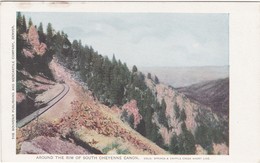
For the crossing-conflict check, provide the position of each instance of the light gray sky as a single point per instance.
(148, 39)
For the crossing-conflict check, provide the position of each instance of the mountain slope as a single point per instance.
(214, 94)
(80, 120)
(181, 111)
(109, 109)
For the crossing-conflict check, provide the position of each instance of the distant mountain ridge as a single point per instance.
(214, 94)
(109, 108)
(186, 76)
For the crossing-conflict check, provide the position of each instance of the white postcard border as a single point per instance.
(244, 72)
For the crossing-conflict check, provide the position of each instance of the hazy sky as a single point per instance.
(148, 39)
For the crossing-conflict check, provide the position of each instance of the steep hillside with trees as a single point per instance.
(33, 73)
(154, 110)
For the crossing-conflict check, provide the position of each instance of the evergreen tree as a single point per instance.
(137, 79)
(107, 67)
(161, 115)
(156, 136)
(183, 143)
(176, 110)
(149, 124)
(40, 28)
(19, 19)
(156, 80)
(183, 116)
(41, 33)
(183, 127)
(203, 136)
(149, 76)
(141, 128)
(117, 88)
(49, 30)
(19, 22)
(174, 144)
(49, 35)
(134, 69)
(114, 62)
(163, 105)
(187, 143)
(24, 27)
(75, 45)
(30, 23)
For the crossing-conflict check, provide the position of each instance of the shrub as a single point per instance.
(116, 146)
(122, 151)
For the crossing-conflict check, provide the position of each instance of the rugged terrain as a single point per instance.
(109, 109)
(195, 116)
(79, 119)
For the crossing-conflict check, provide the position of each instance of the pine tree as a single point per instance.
(24, 27)
(174, 144)
(156, 80)
(30, 23)
(203, 136)
(114, 62)
(183, 116)
(18, 18)
(162, 117)
(49, 30)
(49, 35)
(149, 124)
(176, 110)
(40, 28)
(187, 143)
(163, 105)
(134, 69)
(183, 127)
(149, 76)
(41, 33)
(19, 22)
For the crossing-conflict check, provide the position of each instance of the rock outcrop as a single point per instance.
(50, 145)
(132, 109)
(196, 114)
(33, 37)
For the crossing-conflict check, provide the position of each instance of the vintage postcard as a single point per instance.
(129, 81)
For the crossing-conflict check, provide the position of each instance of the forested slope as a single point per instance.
(156, 111)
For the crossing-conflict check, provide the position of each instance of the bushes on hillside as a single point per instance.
(183, 143)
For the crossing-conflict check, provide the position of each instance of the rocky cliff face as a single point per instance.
(33, 38)
(196, 115)
(33, 74)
